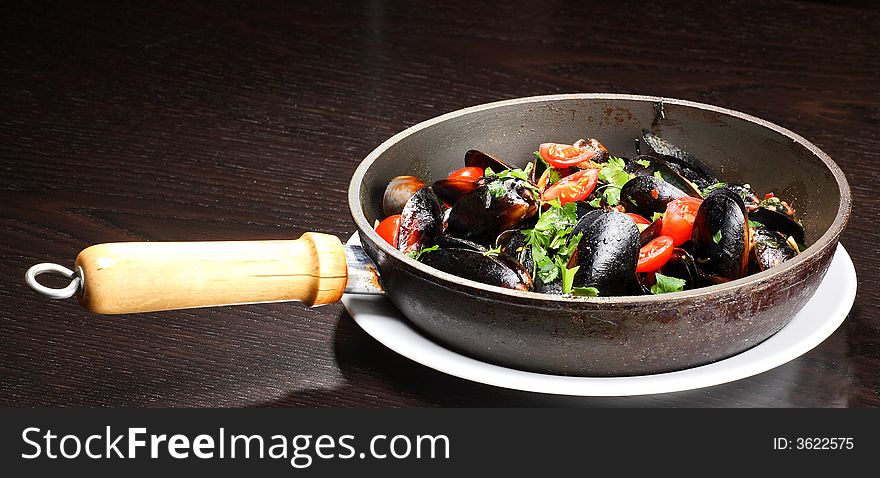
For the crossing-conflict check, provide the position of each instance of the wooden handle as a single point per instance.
(128, 277)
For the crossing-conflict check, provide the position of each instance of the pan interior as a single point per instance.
(737, 149)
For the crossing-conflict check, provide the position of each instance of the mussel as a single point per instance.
(607, 254)
(681, 265)
(451, 190)
(771, 248)
(513, 243)
(778, 221)
(398, 192)
(490, 209)
(420, 221)
(679, 160)
(479, 267)
(645, 195)
(479, 159)
(721, 236)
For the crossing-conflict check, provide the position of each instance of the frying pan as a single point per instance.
(593, 336)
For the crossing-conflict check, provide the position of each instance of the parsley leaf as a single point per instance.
(713, 187)
(549, 240)
(493, 251)
(666, 284)
(643, 162)
(717, 237)
(657, 215)
(418, 254)
(614, 175)
(658, 175)
(496, 188)
(585, 291)
(755, 224)
(567, 274)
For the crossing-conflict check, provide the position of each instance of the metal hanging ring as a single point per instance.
(30, 277)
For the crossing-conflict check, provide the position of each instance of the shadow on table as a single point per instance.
(376, 376)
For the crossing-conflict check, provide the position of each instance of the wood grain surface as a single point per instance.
(198, 120)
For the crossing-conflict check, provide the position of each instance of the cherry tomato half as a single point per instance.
(655, 254)
(678, 221)
(470, 173)
(564, 155)
(575, 187)
(638, 219)
(389, 229)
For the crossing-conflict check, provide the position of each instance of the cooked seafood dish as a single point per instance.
(578, 220)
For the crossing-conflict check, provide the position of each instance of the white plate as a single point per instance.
(819, 318)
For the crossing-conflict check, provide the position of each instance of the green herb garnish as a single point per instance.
(567, 274)
(643, 162)
(717, 237)
(493, 251)
(713, 187)
(585, 291)
(657, 215)
(549, 240)
(418, 254)
(614, 175)
(665, 284)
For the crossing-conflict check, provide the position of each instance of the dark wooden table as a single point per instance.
(194, 120)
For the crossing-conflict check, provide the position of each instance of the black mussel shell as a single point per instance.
(451, 190)
(513, 243)
(398, 192)
(449, 242)
(778, 221)
(476, 266)
(721, 236)
(681, 265)
(420, 221)
(607, 255)
(479, 159)
(771, 248)
(679, 160)
(554, 287)
(645, 195)
(480, 216)
(750, 199)
(650, 233)
(585, 221)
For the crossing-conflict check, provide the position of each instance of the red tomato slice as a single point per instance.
(389, 229)
(470, 173)
(678, 221)
(638, 219)
(565, 155)
(575, 187)
(655, 254)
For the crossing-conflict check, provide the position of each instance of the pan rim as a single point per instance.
(828, 239)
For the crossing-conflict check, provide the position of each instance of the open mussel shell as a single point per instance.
(478, 267)
(683, 163)
(721, 236)
(479, 159)
(778, 221)
(771, 248)
(645, 195)
(480, 216)
(513, 243)
(398, 192)
(607, 254)
(650, 233)
(451, 190)
(420, 221)
(682, 265)
(750, 199)
(657, 166)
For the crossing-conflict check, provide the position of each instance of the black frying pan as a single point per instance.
(601, 336)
